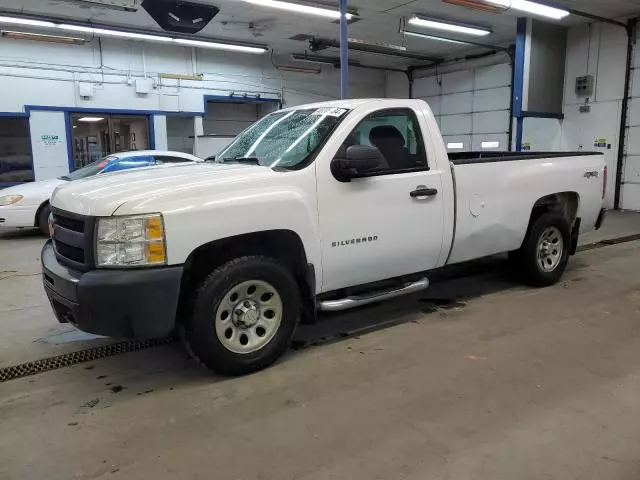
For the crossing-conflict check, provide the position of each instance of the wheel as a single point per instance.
(43, 219)
(544, 255)
(243, 316)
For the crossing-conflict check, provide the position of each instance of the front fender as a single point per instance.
(220, 216)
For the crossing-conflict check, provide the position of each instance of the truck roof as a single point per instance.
(351, 104)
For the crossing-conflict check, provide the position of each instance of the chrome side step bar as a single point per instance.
(360, 300)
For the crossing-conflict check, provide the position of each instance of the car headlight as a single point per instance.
(131, 241)
(10, 200)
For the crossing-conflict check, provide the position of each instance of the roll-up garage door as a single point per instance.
(471, 106)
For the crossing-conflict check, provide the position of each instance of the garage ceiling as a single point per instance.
(379, 22)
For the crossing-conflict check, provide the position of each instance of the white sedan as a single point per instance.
(27, 205)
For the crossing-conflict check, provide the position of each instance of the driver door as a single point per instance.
(372, 228)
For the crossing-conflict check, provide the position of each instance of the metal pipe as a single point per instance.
(344, 51)
(631, 33)
(597, 18)
(512, 62)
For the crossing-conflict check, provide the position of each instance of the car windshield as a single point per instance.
(285, 139)
(89, 170)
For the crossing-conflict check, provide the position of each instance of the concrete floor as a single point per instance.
(481, 378)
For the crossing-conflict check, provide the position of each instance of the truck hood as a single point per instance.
(34, 193)
(104, 194)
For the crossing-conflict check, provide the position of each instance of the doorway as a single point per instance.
(98, 135)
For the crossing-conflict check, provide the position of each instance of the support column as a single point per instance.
(344, 51)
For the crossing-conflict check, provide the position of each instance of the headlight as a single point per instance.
(135, 241)
(10, 200)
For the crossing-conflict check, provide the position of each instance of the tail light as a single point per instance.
(605, 177)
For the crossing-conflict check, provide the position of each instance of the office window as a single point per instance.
(97, 135)
(16, 160)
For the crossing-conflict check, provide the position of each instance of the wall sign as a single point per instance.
(600, 143)
(50, 140)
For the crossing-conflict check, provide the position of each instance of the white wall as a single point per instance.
(46, 74)
(396, 85)
(598, 50)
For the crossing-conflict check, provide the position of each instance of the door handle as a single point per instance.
(424, 192)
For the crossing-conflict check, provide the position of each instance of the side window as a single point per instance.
(162, 159)
(125, 163)
(396, 133)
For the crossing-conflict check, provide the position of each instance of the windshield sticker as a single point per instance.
(330, 112)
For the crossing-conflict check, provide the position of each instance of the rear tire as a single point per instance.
(43, 219)
(544, 255)
(243, 316)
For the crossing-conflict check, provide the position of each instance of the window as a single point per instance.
(285, 139)
(16, 161)
(396, 133)
(98, 135)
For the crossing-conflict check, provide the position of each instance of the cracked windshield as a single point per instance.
(284, 139)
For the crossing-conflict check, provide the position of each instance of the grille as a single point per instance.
(72, 239)
(74, 253)
(72, 224)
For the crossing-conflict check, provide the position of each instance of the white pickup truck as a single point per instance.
(320, 207)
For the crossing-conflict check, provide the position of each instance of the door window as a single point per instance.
(396, 133)
(98, 135)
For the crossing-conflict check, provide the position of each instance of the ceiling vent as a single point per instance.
(180, 16)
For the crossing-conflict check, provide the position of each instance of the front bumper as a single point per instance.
(17, 216)
(130, 303)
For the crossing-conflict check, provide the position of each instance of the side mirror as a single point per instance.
(357, 160)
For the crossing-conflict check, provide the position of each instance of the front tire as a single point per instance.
(544, 255)
(243, 316)
(43, 219)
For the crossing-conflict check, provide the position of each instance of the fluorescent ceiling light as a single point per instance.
(455, 145)
(532, 7)
(130, 35)
(220, 46)
(299, 8)
(26, 21)
(490, 145)
(91, 119)
(42, 37)
(113, 33)
(433, 37)
(449, 27)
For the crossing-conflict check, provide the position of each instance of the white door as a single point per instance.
(390, 222)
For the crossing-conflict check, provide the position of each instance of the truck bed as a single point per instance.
(494, 201)
(462, 158)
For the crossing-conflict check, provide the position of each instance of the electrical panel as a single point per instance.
(85, 90)
(144, 86)
(584, 86)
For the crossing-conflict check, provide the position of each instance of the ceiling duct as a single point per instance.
(122, 5)
(318, 44)
(180, 16)
(476, 5)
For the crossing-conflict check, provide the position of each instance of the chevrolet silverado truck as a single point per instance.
(321, 207)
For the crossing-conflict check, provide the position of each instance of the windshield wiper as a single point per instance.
(64, 177)
(249, 160)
